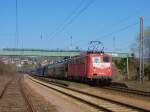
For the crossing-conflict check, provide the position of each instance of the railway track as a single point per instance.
(116, 87)
(5, 88)
(13, 97)
(26, 97)
(129, 90)
(100, 103)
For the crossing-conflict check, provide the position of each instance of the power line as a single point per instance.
(120, 30)
(129, 17)
(124, 28)
(109, 34)
(147, 19)
(17, 32)
(68, 17)
(117, 31)
(80, 12)
(123, 20)
(74, 17)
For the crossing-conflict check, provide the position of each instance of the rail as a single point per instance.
(5, 88)
(96, 101)
(26, 97)
(129, 90)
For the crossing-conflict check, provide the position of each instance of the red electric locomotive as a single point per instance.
(89, 66)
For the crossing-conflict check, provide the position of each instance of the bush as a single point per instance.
(121, 63)
(7, 69)
(147, 71)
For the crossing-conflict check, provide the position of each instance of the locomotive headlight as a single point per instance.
(109, 69)
(94, 69)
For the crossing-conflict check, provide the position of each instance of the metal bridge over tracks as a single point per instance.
(50, 53)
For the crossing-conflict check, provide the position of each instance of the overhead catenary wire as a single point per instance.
(68, 17)
(122, 29)
(17, 32)
(118, 30)
(72, 18)
(125, 19)
(80, 12)
(130, 16)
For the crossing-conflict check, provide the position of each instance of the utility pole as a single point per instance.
(17, 35)
(142, 35)
(114, 44)
(71, 43)
(127, 66)
(141, 49)
(17, 32)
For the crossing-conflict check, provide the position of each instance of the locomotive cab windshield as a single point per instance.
(106, 59)
(96, 60)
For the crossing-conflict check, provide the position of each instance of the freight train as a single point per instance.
(87, 67)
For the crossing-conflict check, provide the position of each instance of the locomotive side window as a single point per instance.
(105, 59)
(83, 60)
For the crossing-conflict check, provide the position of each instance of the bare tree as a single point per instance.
(147, 42)
(134, 48)
(147, 51)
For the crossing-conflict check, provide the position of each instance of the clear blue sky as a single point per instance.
(98, 19)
